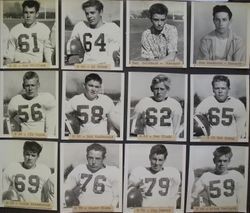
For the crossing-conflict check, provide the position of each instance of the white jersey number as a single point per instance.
(99, 42)
(152, 119)
(163, 183)
(215, 190)
(36, 114)
(96, 113)
(33, 180)
(98, 186)
(24, 45)
(226, 116)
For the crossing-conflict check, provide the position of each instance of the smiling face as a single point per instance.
(95, 160)
(30, 15)
(93, 16)
(159, 91)
(92, 89)
(31, 87)
(222, 22)
(158, 21)
(156, 162)
(220, 90)
(221, 164)
(30, 159)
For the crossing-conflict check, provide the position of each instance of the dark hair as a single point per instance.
(158, 8)
(97, 147)
(222, 8)
(32, 146)
(223, 150)
(93, 3)
(218, 78)
(30, 4)
(161, 78)
(93, 76)
(158, 149)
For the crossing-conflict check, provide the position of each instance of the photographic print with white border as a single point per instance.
(36, 35)
(217, 179)
(92, 110)
(152, 50)
(231, 35)
(96, 181)
(34, 175)
(30, 107)
(92, 42)
(158, 114)
(152, 182)
(222, 113)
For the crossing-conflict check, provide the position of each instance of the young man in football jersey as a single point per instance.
(100, 40)
(29, 41)
(222, 43)
(221, 187)
(94, 183)
(33, 111)
(91, 108)
(226, 114)
(159, 185)
(24, 181)
(159, 42)
(158, 114)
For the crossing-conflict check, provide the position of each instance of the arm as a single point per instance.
(177, 119)
(11, 48)
(15, 121)
(240, 121)
(203, 53)
(47, 48)
(146, 51)
(240, 51)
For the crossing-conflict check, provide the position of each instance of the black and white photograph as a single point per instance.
(217, 179)
(92, 34)
(157, 106)
(156, 34)
(219, 35)
(93, 105)
(30, 104)
(154, 175)
(31, 32)
(91, 177)
(28, 174)
(219, 108)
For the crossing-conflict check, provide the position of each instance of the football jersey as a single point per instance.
(98, 43)
(28, 183)
(4, 38)
(92, 113)
(160, 189)
(159, 115)
(223, 116)
(30, 45)
(32, 113)
(99, 188)
(223, 190)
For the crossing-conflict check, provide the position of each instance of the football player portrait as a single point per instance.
(28, 180)
(88, 109)
(29, 41)
(30, 111)
(93, 182)
(221, 114)
(158, 183)
(94, 40)
(158, 114)
(223, 184)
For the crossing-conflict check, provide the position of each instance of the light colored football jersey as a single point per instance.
(98, 43)
(223, 116)
(98, 188)
(29, 45)
(27, 182)
(160, 189)
(92, 113)
(32, 113)
(159, 115)
(224, 190)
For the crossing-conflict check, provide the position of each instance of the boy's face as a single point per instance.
(221, 22)
(158, 21)
(29, 15)
(93, 16)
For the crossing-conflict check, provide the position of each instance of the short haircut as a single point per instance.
(32, 146)
(97, 147)
(161, 78)
(218, 78)
(93, 3)
(223, 150)
(93, 76)
(222, 8)
(158, 149)
(29, 75)
(158, 8)
(30, 4)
